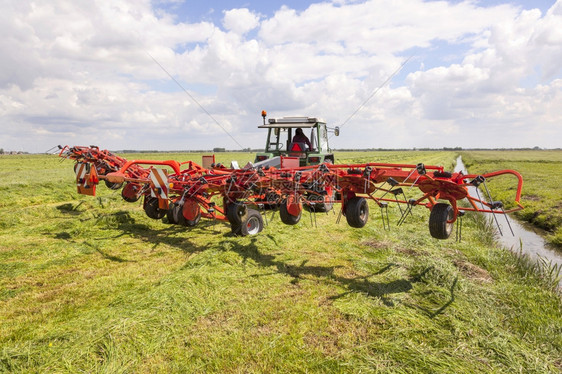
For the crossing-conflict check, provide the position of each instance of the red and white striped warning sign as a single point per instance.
(86, 179)
(159, 186)
(81, 170)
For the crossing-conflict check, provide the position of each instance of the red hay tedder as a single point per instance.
(186, 192)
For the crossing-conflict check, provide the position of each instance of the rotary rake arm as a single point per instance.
(186, 192)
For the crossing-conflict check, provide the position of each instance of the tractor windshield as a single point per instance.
(323, 139)
(313, 138)
(277, 139)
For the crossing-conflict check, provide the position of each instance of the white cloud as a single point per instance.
(503, 87)
(381, 26)
(240, 21)
(79, 72)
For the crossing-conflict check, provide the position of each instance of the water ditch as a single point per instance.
(525, 237)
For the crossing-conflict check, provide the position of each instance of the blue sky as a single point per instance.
(212, 11)
(481, 73)
(194, 11)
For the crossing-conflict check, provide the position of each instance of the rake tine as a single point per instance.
(507, 220)
(459, 227)
(493, 213)
(339, 215)
(385, 223)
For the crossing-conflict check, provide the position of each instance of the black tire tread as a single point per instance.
(170, 214)
(250, 214)
(438, 226)
(353, 212)
(131, 199)
(286, 217)
(113, 186)
(151, 208)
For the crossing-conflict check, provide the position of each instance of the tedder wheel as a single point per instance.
(236, 228)
(113, 186)
(328, 201)
(235, 213)
(177, 213)
(171, 213)
(286, 217)
(357, 212)
(131, 192)
(439, 228)
(151, 208)
(188, 222)
(252, 223)
(444, 174)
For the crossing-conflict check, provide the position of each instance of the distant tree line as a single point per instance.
(536, 148)
(220, 149)
(250, 150)
(2, 152)
(216, 150)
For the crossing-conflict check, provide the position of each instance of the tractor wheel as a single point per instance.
(131, 192)
(439, 228)
(252, 223)
(113, 186)
(357, 212)
(151, 208)
(286, 217)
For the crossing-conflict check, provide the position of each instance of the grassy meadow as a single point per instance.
(542, 180)
(91, 284)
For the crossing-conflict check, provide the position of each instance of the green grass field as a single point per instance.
(542, 191)
(90, 284)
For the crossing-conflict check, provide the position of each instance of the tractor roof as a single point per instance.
(304, 122)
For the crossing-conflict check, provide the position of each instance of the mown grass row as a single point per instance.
(542, 174)
(93, 285)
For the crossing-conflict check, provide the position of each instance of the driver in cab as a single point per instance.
(301, 138)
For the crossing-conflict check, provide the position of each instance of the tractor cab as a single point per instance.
(280, 134)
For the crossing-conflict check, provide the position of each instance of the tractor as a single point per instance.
(280, 133)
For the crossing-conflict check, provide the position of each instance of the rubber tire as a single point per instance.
(326, 206)
(438, 226)
(357, 212)
(171, 215)
(178, 215)
(445, 174)
(286, 217)
(187, 222)
(125, 189)
(236, 228)
(252, 223)
(235, 212)
(151, 208)
(113, 186)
